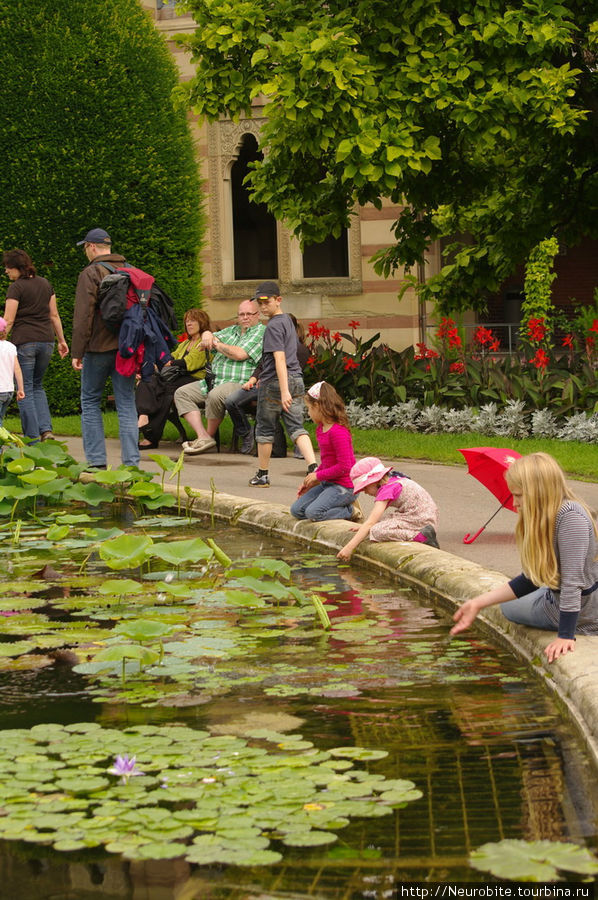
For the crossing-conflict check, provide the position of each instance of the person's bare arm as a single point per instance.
(363, 530)
(63, 347)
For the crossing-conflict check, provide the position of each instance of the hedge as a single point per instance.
(91, 139)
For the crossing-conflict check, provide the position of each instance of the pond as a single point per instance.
(285, 758)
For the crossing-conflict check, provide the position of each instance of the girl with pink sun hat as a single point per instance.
(403, 510)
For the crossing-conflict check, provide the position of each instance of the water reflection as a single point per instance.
(461, 719)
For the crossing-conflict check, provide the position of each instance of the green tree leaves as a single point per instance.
(481, 120)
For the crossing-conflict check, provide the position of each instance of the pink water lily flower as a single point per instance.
(125, 767)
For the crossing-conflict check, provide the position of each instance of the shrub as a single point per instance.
(91, 138)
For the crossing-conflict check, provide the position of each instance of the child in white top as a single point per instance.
(9, 371)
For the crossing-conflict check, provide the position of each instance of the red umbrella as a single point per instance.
(488, 465)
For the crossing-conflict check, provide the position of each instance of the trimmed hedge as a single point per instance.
(91, 138)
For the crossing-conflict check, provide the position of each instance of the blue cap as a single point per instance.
(96, 236)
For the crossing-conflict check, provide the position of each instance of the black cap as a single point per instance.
(266, 289)
(96, 236)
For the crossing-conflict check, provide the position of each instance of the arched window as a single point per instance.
(328, 259)
(254, 228)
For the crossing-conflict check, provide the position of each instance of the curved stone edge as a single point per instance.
(445, 580)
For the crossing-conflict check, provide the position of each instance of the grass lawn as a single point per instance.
(578, 460)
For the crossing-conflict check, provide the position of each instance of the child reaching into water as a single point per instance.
(412, 514)
(327, 493)
(9, 371)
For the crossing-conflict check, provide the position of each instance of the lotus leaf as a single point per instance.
(144, 629)
(38, 477)
(179, 552)
(91, 493)
(120, 587)
(519, 860)
(20, 465)
(126, 551)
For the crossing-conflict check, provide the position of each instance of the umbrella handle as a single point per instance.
(469, 539)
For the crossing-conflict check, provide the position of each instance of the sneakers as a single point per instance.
(199, 445)
(260, 480)
(429, 533)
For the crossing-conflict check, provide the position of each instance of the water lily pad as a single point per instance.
(358, 753)
(519, 860)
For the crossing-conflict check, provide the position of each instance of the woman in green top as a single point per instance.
(154, 398)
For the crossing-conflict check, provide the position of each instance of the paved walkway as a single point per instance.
(464, 504)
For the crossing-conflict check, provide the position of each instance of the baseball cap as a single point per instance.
(266, 289)
(96, 236)
(367, 471)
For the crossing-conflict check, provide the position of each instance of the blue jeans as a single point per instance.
(34, 358)
(97, 369)
(237, 405)
(5, 399)
(324, 501)
(529, 610)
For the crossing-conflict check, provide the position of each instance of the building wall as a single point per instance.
(363, 296)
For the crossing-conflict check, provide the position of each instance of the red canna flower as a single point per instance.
(494, 345)
(310, 360)
(183, 337)
(594, 325)
(350, 364)
(568, 341)
(314, 329)
(540, 360)
(457, 367)
(336, 337)
(353, 324)
(536, 330)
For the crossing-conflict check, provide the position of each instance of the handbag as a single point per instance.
(173, 372)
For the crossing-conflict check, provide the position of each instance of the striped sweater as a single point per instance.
(574, 607)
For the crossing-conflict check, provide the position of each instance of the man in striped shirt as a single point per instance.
(235, 352)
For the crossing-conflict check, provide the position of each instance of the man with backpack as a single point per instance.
(94, 348)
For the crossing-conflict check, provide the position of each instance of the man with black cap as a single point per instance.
(93, 350)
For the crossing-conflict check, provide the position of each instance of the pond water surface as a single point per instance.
(462, 719)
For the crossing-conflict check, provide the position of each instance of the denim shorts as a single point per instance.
(269, 410)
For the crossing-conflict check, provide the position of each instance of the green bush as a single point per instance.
(91, 139)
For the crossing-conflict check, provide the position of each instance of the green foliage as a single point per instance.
(478, 120)
(539, 275)
(91, 138)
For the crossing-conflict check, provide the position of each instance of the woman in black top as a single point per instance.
(32, 316)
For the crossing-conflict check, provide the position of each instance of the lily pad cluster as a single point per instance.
(32, 474)
(209, 799)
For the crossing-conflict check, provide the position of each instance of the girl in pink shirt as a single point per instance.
(403, 509)
(327, 493)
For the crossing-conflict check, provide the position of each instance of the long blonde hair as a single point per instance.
(540, 481)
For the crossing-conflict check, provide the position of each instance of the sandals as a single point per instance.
(148, 445)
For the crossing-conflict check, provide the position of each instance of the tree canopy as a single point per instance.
(480, 116)
(91, 138)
